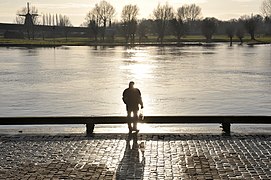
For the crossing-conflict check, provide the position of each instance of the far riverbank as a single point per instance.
(118, 41)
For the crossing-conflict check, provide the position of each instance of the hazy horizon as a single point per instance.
(222, 9)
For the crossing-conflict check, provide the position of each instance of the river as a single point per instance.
(82, 80)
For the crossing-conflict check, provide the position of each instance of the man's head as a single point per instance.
(131, 84)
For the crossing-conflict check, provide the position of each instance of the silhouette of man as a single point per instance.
(132, 98)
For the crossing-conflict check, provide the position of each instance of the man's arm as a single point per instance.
(140, 99)
(124, 98)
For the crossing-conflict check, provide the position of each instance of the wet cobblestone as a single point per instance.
(142, 156)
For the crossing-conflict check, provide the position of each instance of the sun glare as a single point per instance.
(137, 64)
(140, 70)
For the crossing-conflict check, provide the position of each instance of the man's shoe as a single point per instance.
(136, 130)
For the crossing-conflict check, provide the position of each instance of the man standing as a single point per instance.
(132, 98)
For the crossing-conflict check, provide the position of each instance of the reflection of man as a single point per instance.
(132, 98)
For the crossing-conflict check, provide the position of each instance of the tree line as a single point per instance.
(187, 20)
(165, 21)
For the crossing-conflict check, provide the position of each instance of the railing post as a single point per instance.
(90, 128)
(226, 126)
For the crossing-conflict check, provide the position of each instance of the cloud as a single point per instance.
(192, 1)
(243, 0)
(69, 6)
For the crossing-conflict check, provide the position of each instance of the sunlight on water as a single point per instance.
(138, 71)
(141, 70)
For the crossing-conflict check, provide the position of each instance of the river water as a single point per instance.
(192, 80)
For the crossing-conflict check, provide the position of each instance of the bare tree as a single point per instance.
(50, 19)
(63, 20)
(189, 12)
(266, 11)
(47, 20)
(129, 12)
(144, 27)
(178, 28)
(129, 18)
(251, 24)
(162, 15)
(59, 20)
(56, 20)
(240, 33)
(208, 28)
(240, 30)
(93, 22)
(266, 8)
(267, 22)
(230, 29)
(105, 12)
(19, 20)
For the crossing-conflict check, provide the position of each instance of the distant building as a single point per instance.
(13, 34)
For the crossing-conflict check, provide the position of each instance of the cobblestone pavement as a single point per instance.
(138, 156)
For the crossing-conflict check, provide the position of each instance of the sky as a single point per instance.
(77, 10)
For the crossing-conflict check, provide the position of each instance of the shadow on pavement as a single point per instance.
(133, 162)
